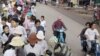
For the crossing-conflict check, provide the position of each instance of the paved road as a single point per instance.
(74, 27)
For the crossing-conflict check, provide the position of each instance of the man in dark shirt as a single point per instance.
(38, 26)
(83, 37)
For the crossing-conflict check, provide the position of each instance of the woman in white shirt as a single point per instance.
(92, 34)
(16, 27)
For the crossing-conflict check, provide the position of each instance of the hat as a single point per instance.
(33, 6)
(19, 8)
(17, 41)
(32, 38)
(40, 35)
(29, 13)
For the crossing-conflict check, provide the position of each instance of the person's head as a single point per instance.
(42, 18)
(31, 54)
(6, 28)
(14, 22)
(9, 18)
(37, 23)
(87, 24)
(29, 14)
(33, 18)
(32, 39)
(92, 25)
(4, 20)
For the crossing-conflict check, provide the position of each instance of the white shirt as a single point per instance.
(10, 52)
(1, 28)
(36, 49)
(21, 29)
(43, 23)
(33, 29)
(4, 38)
(44, 46)
(91, 33)
(33, 10)
(31, 24)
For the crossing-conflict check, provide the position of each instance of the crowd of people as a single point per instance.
(22, 34)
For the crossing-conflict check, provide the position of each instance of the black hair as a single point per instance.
(43, 17)
(31, 54)
(9, 18)
(4, 19)
(8, 47)
(5, 26)
(15, 19)
(37, 21)
(87, 23)
(16, 4)
(33, 18)
(27, 3)
(91, 24)
(22, 19)
(18, 12)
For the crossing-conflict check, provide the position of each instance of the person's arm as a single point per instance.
(97, 33)
(86, 33)
(64, 26)
(25, 51)
(53, 26)
(9, 40)
(24, 35)
(45, 46)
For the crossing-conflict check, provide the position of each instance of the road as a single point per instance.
(74, 27)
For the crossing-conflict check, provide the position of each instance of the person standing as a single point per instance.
(5, 35)
(3, 22)
(32, 46)
(42, 42)
(16, 27)
(33, 10)
(37, 27)
(43, 22)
